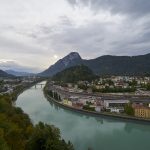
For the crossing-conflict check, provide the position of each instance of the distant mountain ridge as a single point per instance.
(16, 73)
(4, 74)
(120, 65)
(104, 65)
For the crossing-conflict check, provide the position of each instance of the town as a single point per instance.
(10, 85)
(123, 95)
(74, 75)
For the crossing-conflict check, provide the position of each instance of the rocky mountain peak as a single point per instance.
(70, 58)
(104, 65)
(72, 55)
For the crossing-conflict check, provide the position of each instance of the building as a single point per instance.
(98, 109)
(142, 112)
(116, 110)
(77, 105)
(67, 102)
(115, 103)
(74, 98)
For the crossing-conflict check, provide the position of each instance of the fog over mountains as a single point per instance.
(4, 74)
(18, 73)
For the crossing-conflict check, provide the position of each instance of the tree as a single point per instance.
(148, 87)
(83, 86)
(47, 137)
(3, 143)
(50, 93)
(18, 133)
(128, 109)
(59, 98)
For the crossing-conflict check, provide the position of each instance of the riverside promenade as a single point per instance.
(99, 114)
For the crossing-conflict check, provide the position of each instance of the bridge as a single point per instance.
(39, 84)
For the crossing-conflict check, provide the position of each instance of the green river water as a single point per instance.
(84, 131)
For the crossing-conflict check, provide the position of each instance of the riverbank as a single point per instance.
(21, 89)
(98, 114)
(17, 131)
(84, 131)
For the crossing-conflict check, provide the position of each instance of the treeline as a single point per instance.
(75, 74)
(18, 133)
(146, 86)
(87, 107)
(114, 90)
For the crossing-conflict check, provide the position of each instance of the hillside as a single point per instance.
(120, 65)
(104, 65)
(70, 60)
(4, 74)
(74, 74)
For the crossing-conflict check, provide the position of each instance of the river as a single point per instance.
(84, 131)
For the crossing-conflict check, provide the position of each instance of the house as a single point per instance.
(76, 86)
(71, 90)
(69, 85)
(142, 112)
(89, 90)
(77, 105)
(98, 109)
(119, 84)
(67, 102)
(125, 85)
(74, 98)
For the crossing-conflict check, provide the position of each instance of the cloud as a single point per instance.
(38, 33)
(98, 38)
(128, 7)
(13, 65)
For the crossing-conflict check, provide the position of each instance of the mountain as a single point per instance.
(75, 74)
(104, 65)
(68, 61)
(120, 65)
(4, 74)
(16, 73)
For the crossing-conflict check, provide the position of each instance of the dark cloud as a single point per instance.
(97, 38)
(34, 35)
(129, 7)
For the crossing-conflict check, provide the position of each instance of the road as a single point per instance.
(132, 98)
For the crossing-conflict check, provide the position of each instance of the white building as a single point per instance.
(116, 110)
(98, 108)
(115, 103)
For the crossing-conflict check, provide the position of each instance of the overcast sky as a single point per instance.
(36, 33)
